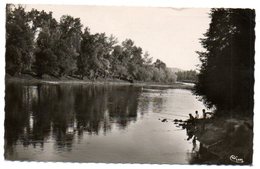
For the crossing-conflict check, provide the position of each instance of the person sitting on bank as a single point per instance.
(204, 113)
(196, 115)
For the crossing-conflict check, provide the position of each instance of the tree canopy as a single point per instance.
(19, 45)
(226, 77)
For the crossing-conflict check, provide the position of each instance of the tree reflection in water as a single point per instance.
(65, 112)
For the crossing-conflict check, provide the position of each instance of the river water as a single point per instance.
(98, 123)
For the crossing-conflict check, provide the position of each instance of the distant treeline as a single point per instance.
(39, 45)
(226, 77)
(189, 76)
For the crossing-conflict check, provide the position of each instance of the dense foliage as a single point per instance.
(39, 45)
(226, 78)
(189, 76)
(19, 45)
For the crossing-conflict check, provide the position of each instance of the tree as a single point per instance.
(117, 67)
(158, 75)
(135, 63)
(145, 72)
(147, 60)
(46, 61)
(47, 35)
(226, 76)
(159, 64)
(19, 40)
(95, 57)
(170, 76)
(68, 46)
(187, 76)
(131, 58)
(103, 49)
(58, 44)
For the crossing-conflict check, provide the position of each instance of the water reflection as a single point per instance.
(63, 112)
(98, 123)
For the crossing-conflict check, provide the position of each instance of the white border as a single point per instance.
(148, 3)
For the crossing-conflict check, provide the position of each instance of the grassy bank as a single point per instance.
(70, 80)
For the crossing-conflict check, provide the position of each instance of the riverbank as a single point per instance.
(25, 78)
(229, 139)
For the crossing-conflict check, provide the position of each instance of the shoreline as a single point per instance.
(74, 81)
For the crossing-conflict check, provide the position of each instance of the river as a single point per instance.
(98, 123)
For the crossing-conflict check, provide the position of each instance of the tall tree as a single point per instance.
(131, 58)
(226, 77)
(19, 40)
(46, 60)
(117, 66)
(159, 64)
(45, 29)
(86, 50)
(68, 47)
(58, 44)
(95, 57)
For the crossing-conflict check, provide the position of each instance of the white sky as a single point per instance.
(169, 34)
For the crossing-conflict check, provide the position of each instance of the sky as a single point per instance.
(169, 34)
